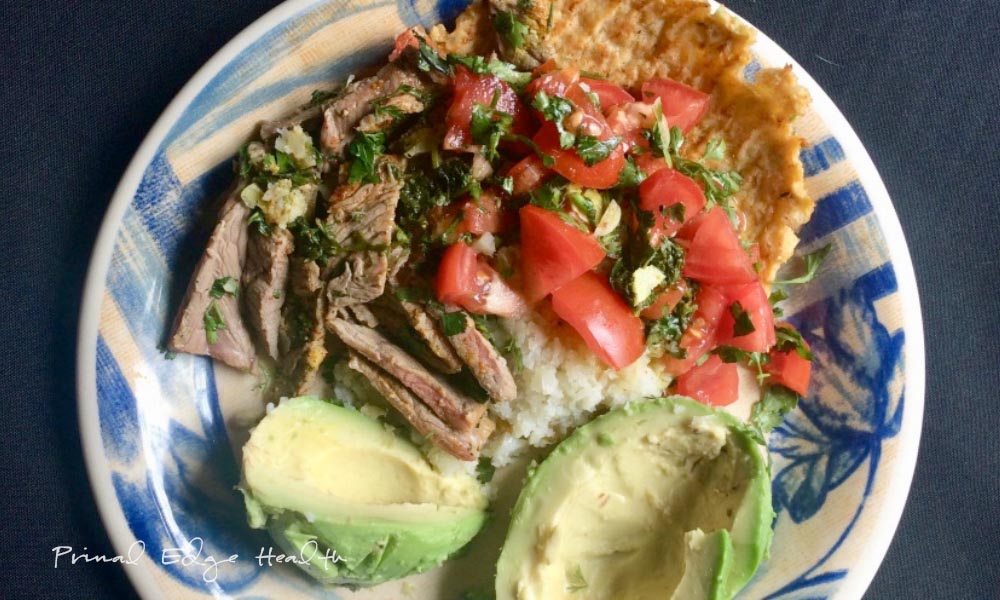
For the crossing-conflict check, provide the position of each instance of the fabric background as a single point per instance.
(82, 83)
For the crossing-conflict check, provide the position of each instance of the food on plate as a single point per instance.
(552, 212)
(360, 504)
(662, 499)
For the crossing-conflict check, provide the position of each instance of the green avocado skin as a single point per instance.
(727, 559)
(370, 552)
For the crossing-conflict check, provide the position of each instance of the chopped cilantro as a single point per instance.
(510, 29)
(364, 149)
(257, 220)
(223, 286)
(789, 339)
(593, 150)
(453, 323)
(768, 412)
(812, 262)
(575, 580)
(715, 150)
(428, 58)
(504, 71)
(744, 324)
(631, 176)
(213, 322)
(555, 109)
(663, 335)
(484, 470)
(321, 96)
(489, 125)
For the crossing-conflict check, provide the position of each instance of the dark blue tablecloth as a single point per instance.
(82, 82)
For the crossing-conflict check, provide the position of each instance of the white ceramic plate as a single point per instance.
(161, 436)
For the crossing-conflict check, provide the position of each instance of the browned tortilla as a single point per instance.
(629, 41)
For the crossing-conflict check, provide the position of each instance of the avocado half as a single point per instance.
(357, 504)
(666, 498)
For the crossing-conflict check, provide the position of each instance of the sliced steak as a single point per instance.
(362, 315)
(360, 220)
(304, 276)
(397, 256)
(432, 334)
(464, 446)
(389, 110)
(458, 411)
(359, 99)
(304, 318)
(487, 365)
(265, 277)
(223, 257)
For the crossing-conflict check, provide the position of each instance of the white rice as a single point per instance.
(561, 384)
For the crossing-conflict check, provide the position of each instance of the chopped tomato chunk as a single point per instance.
(602, 318)
(700, 336)
(683, 106)
(528, 174)
(715, 254)
(481, 216)
(661, 192)
(472, 89)
(608, 94)
(553, 252)
(466, 280)
(713, 382)
(789, 369)
(665, 302)
(601, 175)
(752, 301)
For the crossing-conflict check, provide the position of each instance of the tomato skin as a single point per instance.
(663, 189)
(701, 335)
(713, 382)
(602, 318)
(407, 39)
(608, 93)
(789, 369)
(472, 89)
(683, 106)
(481, 216)
(465, 280)
(715, 254)
(753, 299)
(601, 175)
(553, 253)
(528, 174)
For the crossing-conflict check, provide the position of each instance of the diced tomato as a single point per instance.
(753, 300)
(700, 336)
(546, 67)
(600, 175)
(789, 369)
(627, 121)
(713, 382)
(553, 82)
(649, 164)
(715, 254)
(683, 106)
(665, 302)
(602, 318)
(608, 93)
(472, 89)
(553, 252)
(664, 189)
(407, 39)
(465, 280)
(482, 215)
(528, 174)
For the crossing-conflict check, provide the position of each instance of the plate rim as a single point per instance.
(892, 503)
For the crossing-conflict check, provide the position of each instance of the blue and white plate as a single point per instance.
(161, 435)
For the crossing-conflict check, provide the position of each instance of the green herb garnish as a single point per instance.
(743, 323)
(364, 149)
(213, 321)
(812, 262)
(593, 150)
(453, 323)
(510, 29)
(223, 286)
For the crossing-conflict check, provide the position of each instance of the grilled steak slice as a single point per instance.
(458, 411)
(394, 107)
(304, 318)
(429, 330)
(393, 324)
(397, 256)
(362, 315)
(463, 446)
(264, 280)
(485, 362)
(304, 276)
(223, 257)
(360, 220)
(358, 100)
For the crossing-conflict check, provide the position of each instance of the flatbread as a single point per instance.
(629, 41)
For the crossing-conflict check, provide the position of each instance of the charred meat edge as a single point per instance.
(224, 256)
(487, 365)
(463, 446)
(458, 411)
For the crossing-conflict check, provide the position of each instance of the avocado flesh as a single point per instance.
(321, 478)
(607, 514)
(707, 561)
